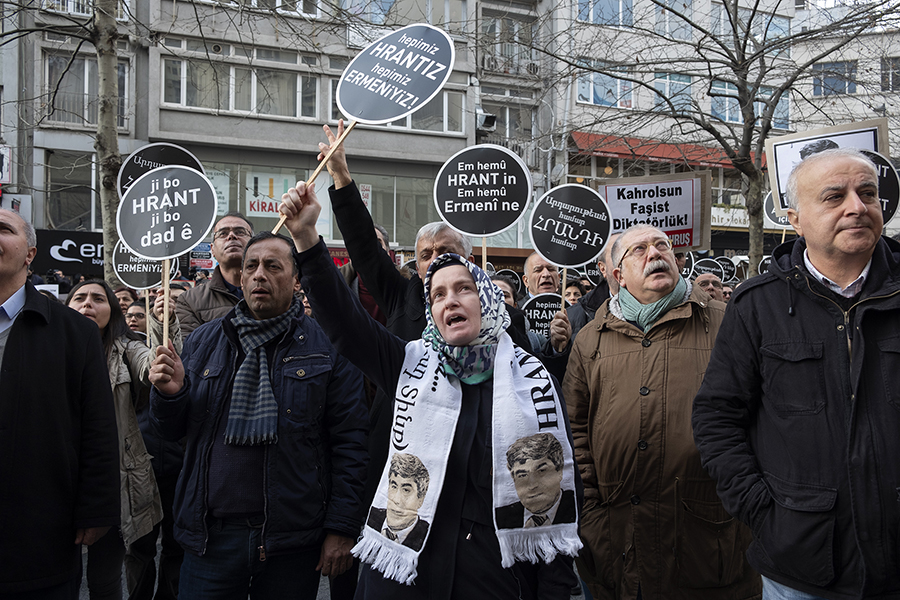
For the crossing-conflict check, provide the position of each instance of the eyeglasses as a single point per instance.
(640, 249)
(224, 232)
(137, 316)
(710, 283)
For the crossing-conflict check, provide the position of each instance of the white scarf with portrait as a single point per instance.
(426, 409)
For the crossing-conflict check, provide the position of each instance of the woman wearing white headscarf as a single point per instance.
(478, 497)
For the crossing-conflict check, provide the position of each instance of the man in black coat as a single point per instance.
(59, 452)
(798, 414)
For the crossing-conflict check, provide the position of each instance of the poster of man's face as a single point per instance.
(786, 152)
(407, 484)
(535, 464)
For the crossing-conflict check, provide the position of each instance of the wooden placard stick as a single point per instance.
(165, 287)
(562, 296)
(321, 166)
(147, 318)
(484, 253)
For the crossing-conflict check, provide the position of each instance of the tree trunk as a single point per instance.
(755, 214)
(107, 141)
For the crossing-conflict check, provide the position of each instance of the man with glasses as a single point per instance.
(651, 524)
(711, 284)
(216, 297)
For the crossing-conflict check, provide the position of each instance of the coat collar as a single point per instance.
(36, 302)
(698, 301)
(883, 278)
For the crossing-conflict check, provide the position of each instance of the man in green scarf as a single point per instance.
(652, 524)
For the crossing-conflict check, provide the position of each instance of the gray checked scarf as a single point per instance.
(253, 417)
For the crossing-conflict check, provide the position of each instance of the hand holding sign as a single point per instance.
(334, 157)
(393, 77)
(332, 150)
(541, 311)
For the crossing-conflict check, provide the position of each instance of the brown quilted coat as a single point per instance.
(651, 514)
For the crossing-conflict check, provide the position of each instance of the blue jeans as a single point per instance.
(231, 570)
(772, 590)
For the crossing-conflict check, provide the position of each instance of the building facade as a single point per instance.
(582, 90)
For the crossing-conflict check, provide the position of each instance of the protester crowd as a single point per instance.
(405, 435)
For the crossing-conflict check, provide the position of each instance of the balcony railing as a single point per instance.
(526, 149)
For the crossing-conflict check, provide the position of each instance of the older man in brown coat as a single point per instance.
(652, 524)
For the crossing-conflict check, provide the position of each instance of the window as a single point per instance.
(781, 117)
(306, 7)
(373, 11)
(603, 89)
(669, 19)
(513, 121)
(507, 44)
(764, 27)
(81, 7)
(834, 78)
(514, 92)
(726, 106)
(675, 87)
(450, 15)
(219, 86)
(890, 74)
(445, 113)
(70, 191)
(72, 88)
(727, 186)
(606, 12)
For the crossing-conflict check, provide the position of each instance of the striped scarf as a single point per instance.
(253, 417)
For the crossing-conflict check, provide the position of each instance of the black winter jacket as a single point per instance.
(583, 312)
(315, 473)
(59, 452)
(798, 420)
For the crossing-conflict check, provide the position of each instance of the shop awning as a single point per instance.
(650, 150)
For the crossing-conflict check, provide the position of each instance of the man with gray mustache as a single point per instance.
(651, 524)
